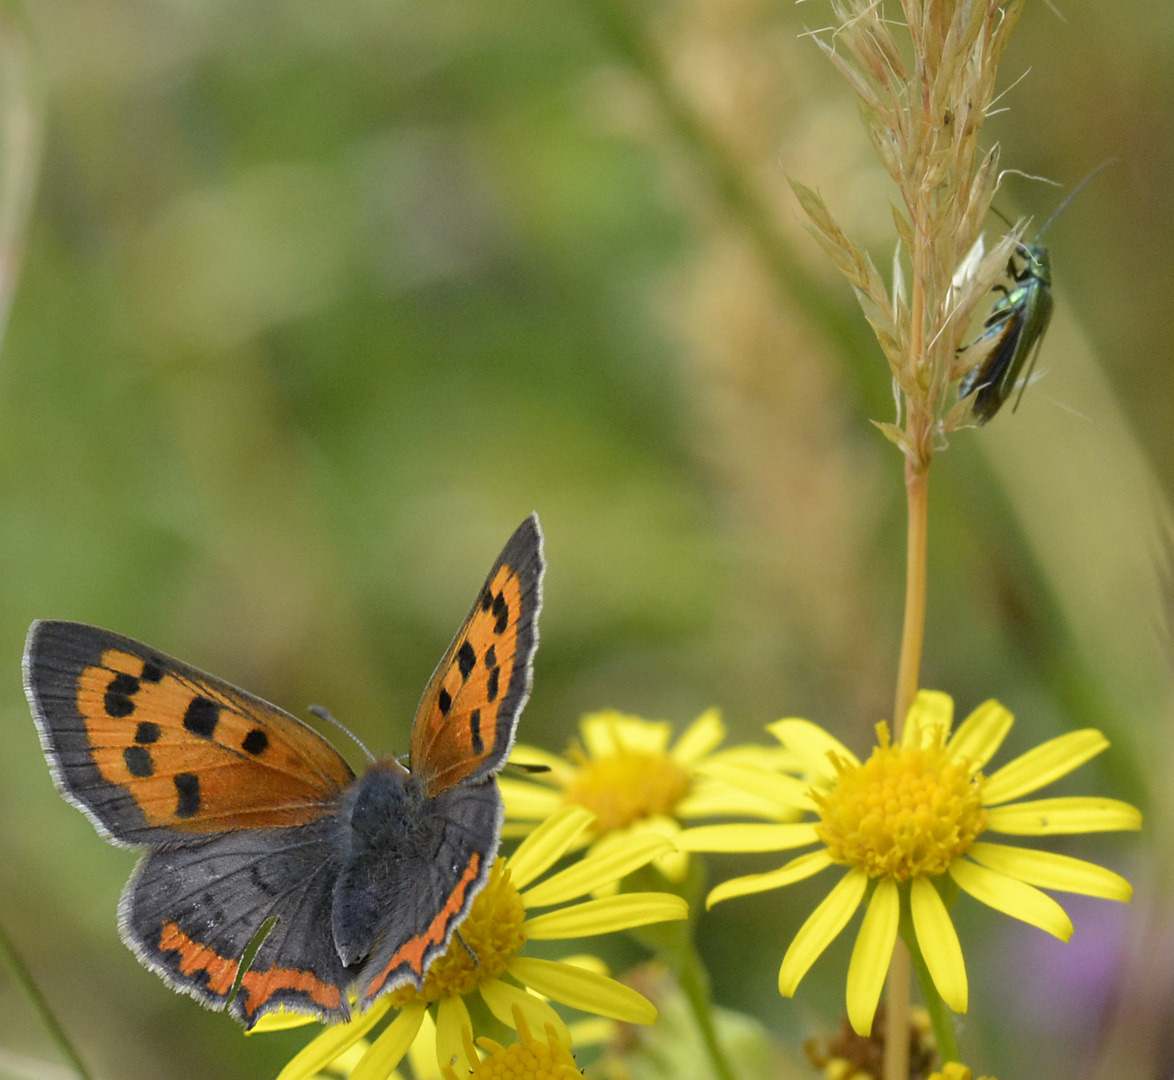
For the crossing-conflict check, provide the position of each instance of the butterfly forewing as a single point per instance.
(465, 723)
(154, 749)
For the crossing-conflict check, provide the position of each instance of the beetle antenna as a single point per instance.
(999, 213)
(1074, 192)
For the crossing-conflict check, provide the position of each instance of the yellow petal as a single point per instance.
(388, 1050)
(587, 962)
(747, 837)
(1012, 897)
(422, 1053)
(526, 801)
(981, 734)
(319, 1053)
(606, 916)
(820, 929)
(929, 719)
(598, 869)
(938, 941)
(583, 990)
(501, 998)
(451, 1016)
(593, 1032)
(871, 955)
(796, 870)
(281, 1019)
(609, 732)
(1072, 814)
(547, 844)
(775, 787)
(515, 830)
(700, 738)
(561, 773)
(712, 798)
(774, 758)
(1047, 762)
(345, 1063)
(1047, 870)
(812, 745)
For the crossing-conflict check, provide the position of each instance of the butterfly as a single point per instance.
(252, 820)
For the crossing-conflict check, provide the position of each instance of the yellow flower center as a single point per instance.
(906, 812)
(492, 932)
(624, 787)
(529, 1058)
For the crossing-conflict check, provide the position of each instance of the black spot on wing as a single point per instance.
(119, 692)
(475, 731)
(187, 790)
(501, 612)
(201, 717)
(122, 683)
(255, 742)
(491, 657)
(147, 733)
(139, 761)
(491, 684)
(466, 659)
(152, 672)
(444, 701)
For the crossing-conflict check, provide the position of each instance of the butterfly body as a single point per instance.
(253, 821)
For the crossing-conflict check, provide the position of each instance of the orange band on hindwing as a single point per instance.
(194, 958)
(260, 986)
(412, 951)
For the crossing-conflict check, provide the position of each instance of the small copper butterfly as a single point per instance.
(252, 819)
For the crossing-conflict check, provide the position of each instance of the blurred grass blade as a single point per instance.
(21, 137)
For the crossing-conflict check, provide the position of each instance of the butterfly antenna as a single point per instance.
(468, 948)
(1074, 192)
(323, 714)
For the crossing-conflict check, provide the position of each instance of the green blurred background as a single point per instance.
(319, 300)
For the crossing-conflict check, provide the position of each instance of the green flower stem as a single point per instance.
(896, 1062)
(673, 942)
(24, 977)
(939, 1012)
(694, 980)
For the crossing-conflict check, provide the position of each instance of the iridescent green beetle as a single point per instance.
(1017, 323)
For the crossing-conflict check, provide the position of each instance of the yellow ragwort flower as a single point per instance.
(530, 1058)
(625, 772)
(485, 955)
(907, 822)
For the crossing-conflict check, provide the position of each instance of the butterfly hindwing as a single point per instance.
(190, 912)
(464, 727)
(154, 750)
(435, 878)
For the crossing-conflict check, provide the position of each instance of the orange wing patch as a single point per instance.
(260, 986)
(198, 756)
(194, 957)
